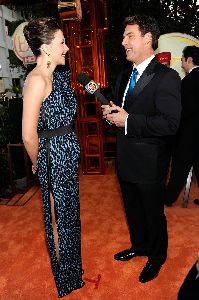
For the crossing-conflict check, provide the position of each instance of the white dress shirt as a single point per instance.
(140, 68)
(193, 68)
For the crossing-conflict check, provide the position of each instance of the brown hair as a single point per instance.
(146, 24)
(40, 31)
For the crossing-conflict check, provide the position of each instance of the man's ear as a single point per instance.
(148, 38)
(190, 60)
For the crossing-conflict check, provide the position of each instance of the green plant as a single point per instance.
(5, 126)
(13, 25)
(5, 135)
(4, 175)
(15, 62)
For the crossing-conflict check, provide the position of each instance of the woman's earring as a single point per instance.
(48, 62)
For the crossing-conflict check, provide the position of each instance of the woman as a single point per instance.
(48, 111)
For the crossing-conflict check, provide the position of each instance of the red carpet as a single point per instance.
(25, 272)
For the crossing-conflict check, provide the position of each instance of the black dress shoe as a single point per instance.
(125, 255)
(149, 272)
(196, 201)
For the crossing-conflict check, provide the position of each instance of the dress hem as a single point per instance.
(75, 288)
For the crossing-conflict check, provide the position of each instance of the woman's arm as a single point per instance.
(33, 95)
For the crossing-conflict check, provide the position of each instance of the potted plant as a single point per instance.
(5, 135)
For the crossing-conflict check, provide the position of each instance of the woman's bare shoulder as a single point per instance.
(34, 79)
(34, 87)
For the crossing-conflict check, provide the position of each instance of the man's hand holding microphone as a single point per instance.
(111, 113)
(114, 114)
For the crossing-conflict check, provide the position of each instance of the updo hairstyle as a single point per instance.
(40, 31)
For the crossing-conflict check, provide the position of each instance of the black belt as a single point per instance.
(55, 132)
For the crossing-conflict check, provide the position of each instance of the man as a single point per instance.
(186, 143)
(165, 59)
(145, 117)
(190, 287)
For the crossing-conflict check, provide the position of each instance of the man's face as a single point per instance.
(185, 64)
(135, 44)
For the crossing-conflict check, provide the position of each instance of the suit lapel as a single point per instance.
(143, 81)
(145, 78)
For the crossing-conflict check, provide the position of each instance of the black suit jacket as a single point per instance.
(154, 109)
(188, 132)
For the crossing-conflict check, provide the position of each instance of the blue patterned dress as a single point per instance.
(58, 110)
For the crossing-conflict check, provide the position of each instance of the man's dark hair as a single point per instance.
(146, 24)
(191, 51)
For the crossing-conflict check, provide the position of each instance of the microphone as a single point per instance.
(91, 87)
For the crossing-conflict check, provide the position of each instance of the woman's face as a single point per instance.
(58, 48)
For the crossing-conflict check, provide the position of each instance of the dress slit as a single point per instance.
(54, 226)
(54, 218)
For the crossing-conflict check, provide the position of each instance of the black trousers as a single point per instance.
(189, 290)
(196, 169)
(147, 223)
(182, 161)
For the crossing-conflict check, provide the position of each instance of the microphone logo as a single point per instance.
(91, 87)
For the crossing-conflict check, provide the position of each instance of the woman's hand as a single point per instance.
(34, 169)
